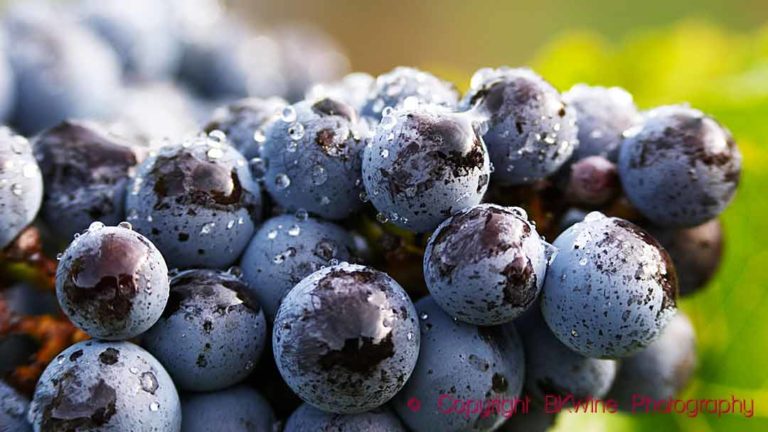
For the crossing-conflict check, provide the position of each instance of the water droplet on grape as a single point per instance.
(282, 181)
(288, 114)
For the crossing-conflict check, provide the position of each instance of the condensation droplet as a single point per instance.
(282, 181)
(206, 229)
(388, 121)
(296, 131)
(319, 175)
(302, 214)
(259, 136)
(29, 170)
(215, 153)
(288, 114)
(217, 136)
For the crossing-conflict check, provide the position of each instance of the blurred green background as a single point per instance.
(711, 53)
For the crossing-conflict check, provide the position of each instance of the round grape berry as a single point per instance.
(285, 250)
(112, 282)
(531, 132)
(403, 86)
(696, 253)
(610, 290)
(486, 265)
(602, 115)
(346, 338)
(353, 90)
(196, 201)
(21, 186)
(239, 408)
(223, 59)
(424, 165)
(138, 31)
(312, 158)
(152, 113)
(82, 80)
(85, 170)
(680, 168)
(211, 333)
(308, 55)
(553, 369)
(307, 418)
(105, 386)
(13, 410)
(592, 181)
(459, 363)
(244, 121)
(661, 370)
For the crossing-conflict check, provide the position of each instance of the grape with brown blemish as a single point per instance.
(423, 165)
(679, 168)
(105, 386)
(346, 338)
(486, 265)
(197, 201)
(112, 282)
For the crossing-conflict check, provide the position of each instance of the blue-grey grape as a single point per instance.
(424, 165)
(244, 121)
(312, 156)
(86, 170)
(679, 168)
(105, 386)
(235, 409)
(394, 88)
(21, 186)
(211, 333)
(138, 32)
(112, 282)
(610, 290)
(307, 418)
(531, 132)
(486, 265)
(285, 250)
(81, 81)
(196, 200)
(13, 410)
(661, 370)
(602, 115)
(553, 369)
(460, 363)
(346, 338)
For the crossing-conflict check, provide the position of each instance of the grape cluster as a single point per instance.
(291, 248)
